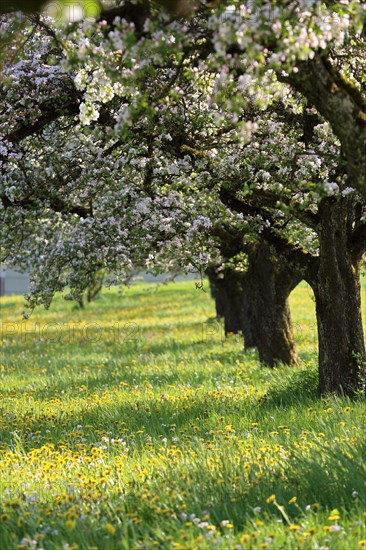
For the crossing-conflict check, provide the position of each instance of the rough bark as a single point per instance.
(342, 105)
(215, 292)
(256, 304)
(334, 277)
(337, 293)
(228, 291)
(268, 285)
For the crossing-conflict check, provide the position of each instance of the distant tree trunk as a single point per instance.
(95, 286)
(269, 282)
(93, 289)
(336, 286)
(255, 303)
(216, 295)
(227, 289)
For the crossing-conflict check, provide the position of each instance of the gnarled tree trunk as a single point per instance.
(336, 286)
(269, 282)
(255, 302)
(228, 291)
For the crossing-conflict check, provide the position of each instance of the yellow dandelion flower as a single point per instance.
(294, 527)
(271, 499)
(244, 538)
(334, 515)
(70, 524)
(110, 528)
(292, 500)
(362, 542)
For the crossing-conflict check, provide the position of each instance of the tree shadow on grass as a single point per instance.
(325, 475)
(300, 387)
(155, 414)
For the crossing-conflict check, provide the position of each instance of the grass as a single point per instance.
(135, 424)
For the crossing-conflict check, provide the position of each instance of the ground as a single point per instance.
(135, 424)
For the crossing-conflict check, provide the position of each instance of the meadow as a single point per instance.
(134, 424)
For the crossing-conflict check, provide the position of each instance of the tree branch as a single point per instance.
(294, 255)
(340, 103)
(54, 203)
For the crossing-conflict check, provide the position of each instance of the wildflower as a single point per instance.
(229, 428)
(294, 527)
(292, 500)
(226, 523)
(70, 524)
(271, 499)
(362, 542)
(110, 528)
(334, 515)
(259, 523)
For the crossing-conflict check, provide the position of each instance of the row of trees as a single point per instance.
(230, 140)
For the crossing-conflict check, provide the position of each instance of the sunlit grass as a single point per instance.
(135, 424)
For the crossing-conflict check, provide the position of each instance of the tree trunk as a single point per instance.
(269, 282)
(256, 303)
(336, 287)
(228, 291)
(216, 295)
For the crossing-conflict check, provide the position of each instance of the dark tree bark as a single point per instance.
(334, 276)
(228, 291)
(342, 104)
(216, 295)
(269, 283)
(336, 286)
(256, 303)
